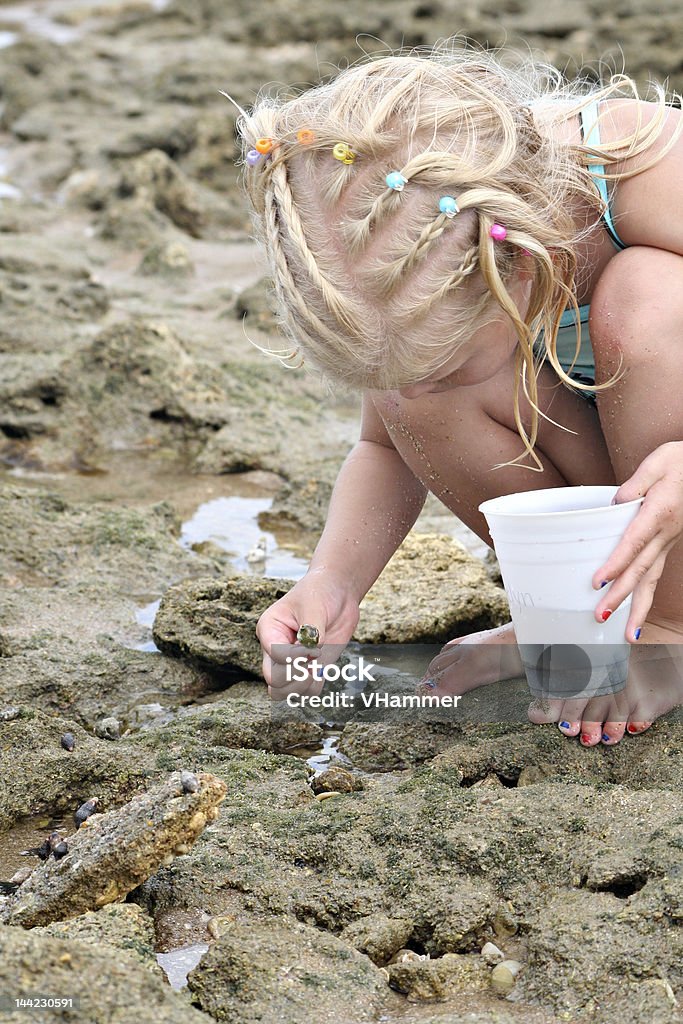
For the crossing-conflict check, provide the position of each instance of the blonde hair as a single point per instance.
(356, 291)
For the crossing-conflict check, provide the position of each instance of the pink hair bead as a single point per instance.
(498, 233)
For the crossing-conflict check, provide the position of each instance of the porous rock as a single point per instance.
(114, 852)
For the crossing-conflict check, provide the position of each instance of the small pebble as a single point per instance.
(68, 741)
(108, 728)
(326, 796)
(9, 714)
(504, 977)
(189, 782)
(491, 954)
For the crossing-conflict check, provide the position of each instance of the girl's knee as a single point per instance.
(638, 300)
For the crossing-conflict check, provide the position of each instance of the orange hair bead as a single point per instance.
(263, 146)
(305, 136)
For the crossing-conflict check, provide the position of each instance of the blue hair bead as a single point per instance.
(396, 181)
(448, 206)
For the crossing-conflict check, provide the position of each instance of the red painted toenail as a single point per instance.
(632, 729)
(585, 738)
(606, 614)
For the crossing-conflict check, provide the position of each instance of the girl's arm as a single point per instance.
(376, 500)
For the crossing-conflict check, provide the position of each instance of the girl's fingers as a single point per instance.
(643, 595)
(656, 520)
(633, 576)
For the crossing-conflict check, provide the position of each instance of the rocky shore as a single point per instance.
(130, 398)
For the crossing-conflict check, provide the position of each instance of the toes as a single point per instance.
(543, 711)
(612, 732)
(635, 728)
(591, 734)
(569, 728)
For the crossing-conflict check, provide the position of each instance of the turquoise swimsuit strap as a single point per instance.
(568, 318)
(591, 137)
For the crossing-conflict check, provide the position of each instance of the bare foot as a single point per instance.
(475, 660)
(654, 685)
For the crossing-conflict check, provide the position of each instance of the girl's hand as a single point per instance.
(319, 599)
(637, 562)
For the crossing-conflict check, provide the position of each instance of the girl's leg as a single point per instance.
(637, 315)
(452, 440)
(469, 430)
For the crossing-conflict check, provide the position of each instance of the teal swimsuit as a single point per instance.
(584, 367)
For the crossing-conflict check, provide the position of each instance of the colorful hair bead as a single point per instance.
(343, 152)
(305, 136)
(253, 157)
(396, 181)
(498, 233)
(264, 146)
(448, 206)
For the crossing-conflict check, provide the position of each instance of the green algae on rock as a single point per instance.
(114, 852)
(107, 988)
(281, 970)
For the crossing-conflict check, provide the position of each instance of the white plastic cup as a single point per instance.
(549, 543)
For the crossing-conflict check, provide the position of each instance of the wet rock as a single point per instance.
(462, 922)
(171, 129)
(300, 503)
(257, 304)
(378, 936)
(387, 746)
(534, 773)
(40, 776)
(123, 927)
(271, 970)
(431, 591)
(155, 181)
(136, 378)
(606, 943)
(79, 663)
(253, 723)
(170, 259)
(422, 980)
(114, 852)
(336, 780)
(35, 962)
(213, 622)
(108, 728)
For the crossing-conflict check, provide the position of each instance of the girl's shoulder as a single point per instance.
(647, 204)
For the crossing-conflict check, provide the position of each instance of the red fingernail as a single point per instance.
(606, 614)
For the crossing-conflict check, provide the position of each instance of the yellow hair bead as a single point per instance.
(343, 152)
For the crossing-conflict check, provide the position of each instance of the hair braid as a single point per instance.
(333, 298)
(289, 295)
(388, 276)
(469, 264)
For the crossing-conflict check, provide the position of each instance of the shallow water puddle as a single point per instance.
(231, 523)
(26, 834)
(179, 962)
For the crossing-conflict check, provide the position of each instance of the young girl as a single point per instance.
(442, 237)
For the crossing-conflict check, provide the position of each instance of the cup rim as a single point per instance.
(558, 512)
